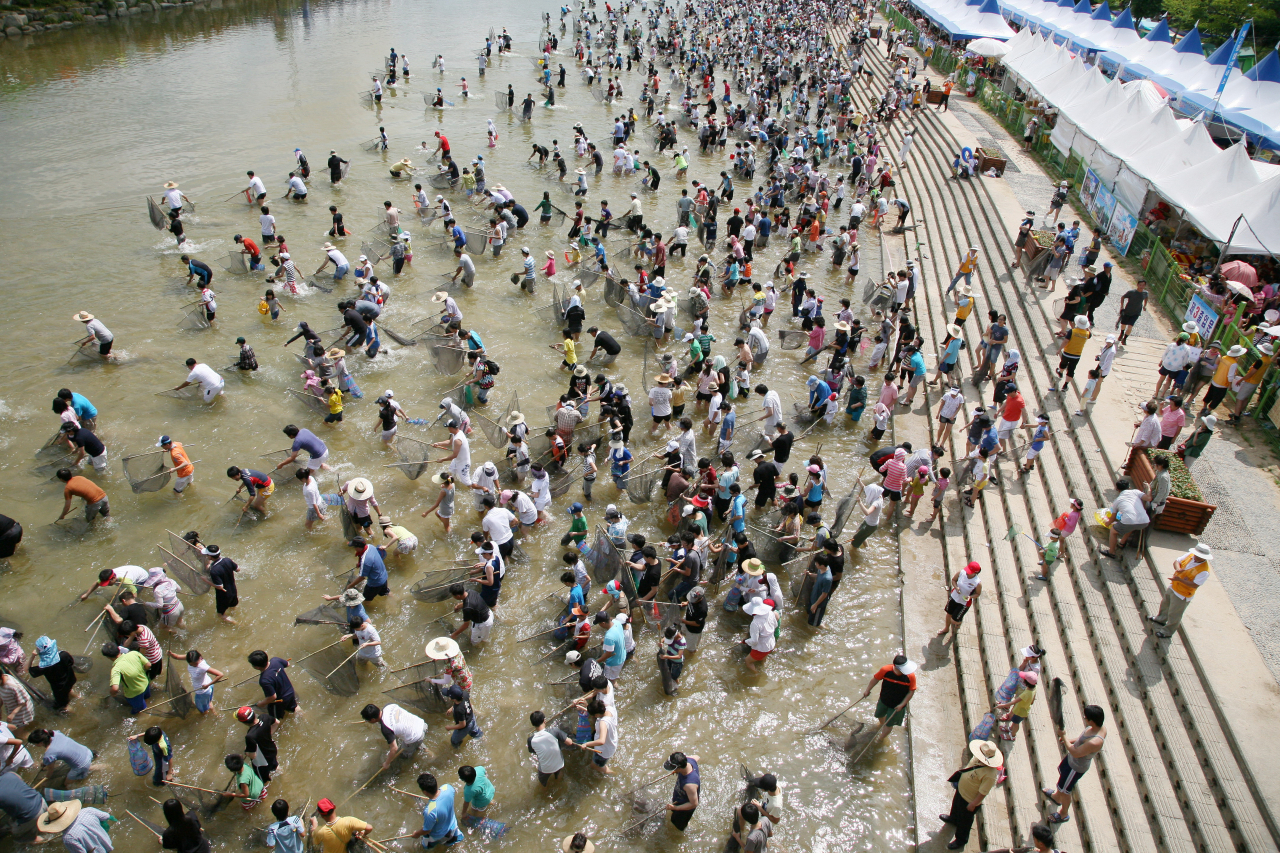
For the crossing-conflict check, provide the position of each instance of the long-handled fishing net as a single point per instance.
(802, 414)
(318, 405)
(194, 319)
(558, 216)
(769, 548)
(792, 338)
(494, 432)
(603, 560)
(156, 214)
(335, 669)
(500, 100)
(179, 702)
(553, 314)
(234, 263)
(477, 241)
(614, 293)
(448, 359)
(442, 180)
(327, 614)
(189, 571)
(420, 692)
(146, 472)
(402, 340)
(560, 485)
(374, 249)
(641, 481)
(434, 585)
(413, 456)
(631, 320)
(843, 510)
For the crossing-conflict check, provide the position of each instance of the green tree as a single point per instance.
(1218, 18)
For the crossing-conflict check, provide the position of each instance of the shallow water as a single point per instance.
(94, 119)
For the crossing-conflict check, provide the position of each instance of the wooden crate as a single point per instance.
(934, 96)
(987, 159)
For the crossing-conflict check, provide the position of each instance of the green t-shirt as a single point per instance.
(249, 779)
(578, 529)
(1051, 552)
(130, 674)
(479, 793)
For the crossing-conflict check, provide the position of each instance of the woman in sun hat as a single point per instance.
(973, 782)
(443, 507)
(83, 828)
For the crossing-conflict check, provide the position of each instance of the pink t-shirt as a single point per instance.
(816, 337)
(1171, 422)
(889, 395)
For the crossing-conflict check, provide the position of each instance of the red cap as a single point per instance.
(770, 602)
(245, 714)
(973, 568)
(326, 806)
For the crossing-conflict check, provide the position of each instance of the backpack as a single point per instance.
(492, 367)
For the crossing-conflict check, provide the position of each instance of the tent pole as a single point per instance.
(1230, 237)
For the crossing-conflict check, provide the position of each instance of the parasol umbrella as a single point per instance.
(1240, 289)
(1241, 272)
(987, 47)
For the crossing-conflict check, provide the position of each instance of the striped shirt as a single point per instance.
(149, 645)
(895, 474)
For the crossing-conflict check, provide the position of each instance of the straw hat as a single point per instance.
(661, 305)
(58, 816)
(336, 352)
(966, 290)
(327, 246)
(361, 489)
(442, 648)
(515, 418)
(550, 254)
(171, 185)
(438, 478)
(83, 317)
(954, 331)
(580, 371)
(581, 171)
(568, 840)
(842, 326)
(986, 753)
(440, 296)
(662, 379)
(753, 567)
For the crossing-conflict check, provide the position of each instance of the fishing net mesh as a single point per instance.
(477, 241)
(561, 485)
(349, 527)
(413, 456)
(234, 263)
(156, 214)
(494, 432)
(792, 338)
(338, 676)
(403, 340)
(558, 216)
(843, 509)
(316, 404)
(374, 249)
(640, 482)
(801, 413)
(434, 585)
(448, 360)
(614, 293)
(180, 706)
(440, 181)
(500, 100)
(194, 319)
(631, 320)
(422, 695)
(187, 571)
(329, 613)
(146, 472)
(462, 396)
(602, 559)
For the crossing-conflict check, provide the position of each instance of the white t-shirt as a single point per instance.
(525, 509)
(135, 575)
(298, 187)
(772, 405)
(610, 745)
(268, 223)
(174, 197)
(545, 745)
(337, 257)
(540, 491)
(99, 331)
(257, 186)
(206, 376)
(497, 523)
(485, 481)
(952, 402)
(660, 400)
(199, 675)
(311, 493)
(408, 728)
(463, 460)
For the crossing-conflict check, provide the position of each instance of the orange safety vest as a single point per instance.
(1220, 375)
(1184, 577)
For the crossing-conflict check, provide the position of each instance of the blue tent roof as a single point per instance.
(1190, 43)
(1102, 13)
(1160, 32)
(1066, 4)
(1223, 53)
(1123, 21)
(1081, 8)
(1266, 70)
(991, 6)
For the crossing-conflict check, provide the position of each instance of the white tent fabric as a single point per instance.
(987, 47)
(1227, 173)
(1259, 233)
(1191, 146)
(1159, 126)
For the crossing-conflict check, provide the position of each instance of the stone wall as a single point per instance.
(18, 22)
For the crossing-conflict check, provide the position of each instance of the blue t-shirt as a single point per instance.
(310, 442)
(1037, 440)
(738, 513)
(917, 364)
(952, 352)
(727, 424)
(615, 640)
(357, 612)
(819, 394)
(372, 567)
(620, 463)
(82, 407)
(438, 819)
(576, 597)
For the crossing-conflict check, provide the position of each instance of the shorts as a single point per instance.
(388, 434)
(1067, 777)
(372, 592)
(170, 618)
(956, 610)
(480, 631)
(893, 494)
(407, 545)
(182, 482)
(1016, 720)
(917, 379)
(612, 673)
(947, 366)
(544, 778)
(758, 655)
(313, 514)
(203, 699)
(1164, 371)
(1033, 452)
(139, 703)
(480, 803)
(661, 419)
(277, 710)
(314, 463)
(1123, 529)
(91, 511)
(1004, 428)
(599, 760)
(105, 349)
(99, 462)
(946, 420)
(333, 418)
(893, 718)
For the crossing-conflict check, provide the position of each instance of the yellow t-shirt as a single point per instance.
(964, 309)
(570, 351)
(334, 837)
(1075, 343)
(1026, 697)
(335, 402)
(969, 264)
